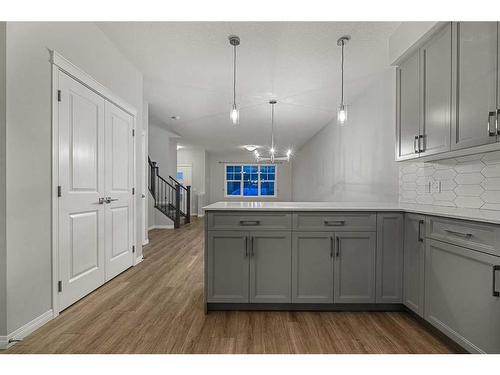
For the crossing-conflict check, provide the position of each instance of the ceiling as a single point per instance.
(187, 69)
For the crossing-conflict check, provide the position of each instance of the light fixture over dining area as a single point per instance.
(342, 109)
(234, 115)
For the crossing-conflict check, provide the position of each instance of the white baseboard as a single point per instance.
(167, 226)
(26, 329)
(146, 241)
(138, 260)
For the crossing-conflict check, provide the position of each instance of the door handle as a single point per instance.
(496, 293)
(334, 223)
(420, 239)
(338, 247)
(490, 132)
(415, 145)
(109, 199)
(331, 246)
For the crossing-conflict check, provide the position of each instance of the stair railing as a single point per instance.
(185, 199)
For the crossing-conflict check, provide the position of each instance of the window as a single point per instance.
(250, 180)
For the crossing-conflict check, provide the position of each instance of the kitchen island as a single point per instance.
(359, 257)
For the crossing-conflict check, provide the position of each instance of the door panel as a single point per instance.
(459, 298)
(408, 106)
(81, 172)
(118, 187)
(476, 73)
(312, 267)
(436, 93)
(354, 267)
(414, 263)
(228, 266)
(270, 267)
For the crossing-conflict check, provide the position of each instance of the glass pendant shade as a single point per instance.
(235, 115)
(342, 114)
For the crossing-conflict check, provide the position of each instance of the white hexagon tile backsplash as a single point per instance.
(469, 182)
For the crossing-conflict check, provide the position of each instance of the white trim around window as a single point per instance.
(258, 165)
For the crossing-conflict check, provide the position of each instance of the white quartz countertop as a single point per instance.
(489, 216)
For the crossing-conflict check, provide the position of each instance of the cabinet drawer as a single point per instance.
(335, 221)
(473, 235)
(243, 220)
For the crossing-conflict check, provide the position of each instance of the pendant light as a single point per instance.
(342, 109)
(234, 115)
(273, 149)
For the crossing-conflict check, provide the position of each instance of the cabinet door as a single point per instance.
(270, 266)
(354, 271)
(389, 258)
(312, 267)
(460, 300)
(228, 266)
(435, 64)
(413, 295)
(408, 108)
(475, 66)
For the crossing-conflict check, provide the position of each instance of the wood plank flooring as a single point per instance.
(156, 307)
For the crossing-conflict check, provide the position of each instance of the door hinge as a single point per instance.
(58, 95)
(133, 132)
(133, 191)
(59, 286)
(59, 193)
(133, 249)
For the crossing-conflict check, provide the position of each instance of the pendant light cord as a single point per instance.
(272, 126)
(342, 74)
(234, 77)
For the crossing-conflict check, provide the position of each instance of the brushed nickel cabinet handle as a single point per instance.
(331, 246)
(246, 246)
(496, 293)
(459, 234)
(415, 148)
(491, 133)
(251, 247)
(420, 239)
(338, 247)
(334, 223)
(497, 120)
(249, 222)
(421, 145)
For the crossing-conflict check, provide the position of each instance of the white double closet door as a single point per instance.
(96, 178)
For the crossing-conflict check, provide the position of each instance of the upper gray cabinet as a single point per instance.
(475, 64)
(448, 92)
(435, 75)
(408, 108)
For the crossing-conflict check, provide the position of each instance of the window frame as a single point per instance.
(258, 165)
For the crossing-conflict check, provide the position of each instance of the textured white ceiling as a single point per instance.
(187, 70)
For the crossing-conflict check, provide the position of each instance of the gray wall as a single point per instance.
(3, 242)
(216, 173)
(29, 151)
(162, 148)
(354, 162)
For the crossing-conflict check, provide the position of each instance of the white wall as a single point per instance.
(29, 283)
(3, 242)
(162, 148)
(354, 162)
(406, 38)
(216, 173)
(196, 157)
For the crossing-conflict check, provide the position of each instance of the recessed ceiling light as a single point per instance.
(251, 148)
(175, 117)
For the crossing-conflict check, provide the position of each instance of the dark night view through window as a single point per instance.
(250, 180)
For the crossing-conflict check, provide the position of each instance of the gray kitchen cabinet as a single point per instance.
(462, 295)
(312, 267)
(389, 285)
(228, 266)
(354, 267)
(408, 108)
(270, 266)
(435, 74)
(475, 66)
(414, 255)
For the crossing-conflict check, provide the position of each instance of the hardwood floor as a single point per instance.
(156, 307)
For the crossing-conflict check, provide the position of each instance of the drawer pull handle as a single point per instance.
(495, 292)
(459, 234)
(249, 222)
(420, 239)
(334, 223)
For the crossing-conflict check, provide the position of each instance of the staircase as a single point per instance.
(171, 198)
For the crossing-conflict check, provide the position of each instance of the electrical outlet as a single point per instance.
(435, 187)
